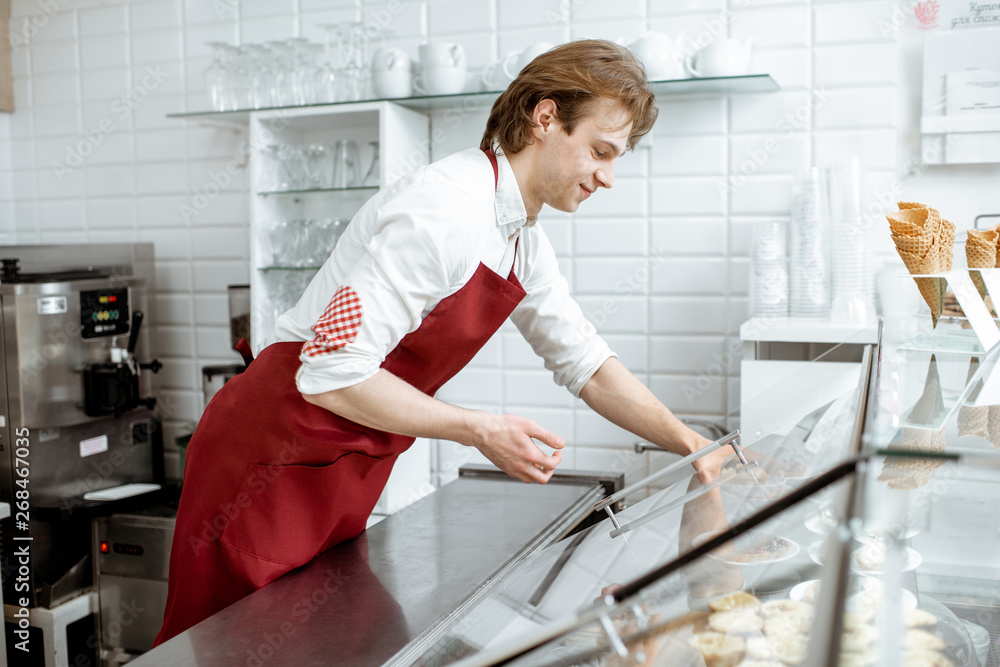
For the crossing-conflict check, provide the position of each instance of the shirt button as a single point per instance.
(503, 218)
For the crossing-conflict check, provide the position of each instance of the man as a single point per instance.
(291, 456)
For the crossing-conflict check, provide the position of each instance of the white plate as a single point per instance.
(818, 524)
(869, 535)
(907, 599)
(911, 561)
(799, 592)
(793, 549)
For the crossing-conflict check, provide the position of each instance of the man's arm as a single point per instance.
(618, 396)
(388, 403)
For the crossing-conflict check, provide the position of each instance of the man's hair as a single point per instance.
(574, 76)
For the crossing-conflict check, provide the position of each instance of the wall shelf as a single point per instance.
(359, 188)
(750, 83)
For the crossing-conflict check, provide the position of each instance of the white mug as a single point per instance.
(441, 54)
(387, 59)
(440, 81)
(392, 83)
(726, 57)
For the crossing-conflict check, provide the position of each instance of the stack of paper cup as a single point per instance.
(768, 271)
(853, 295)
(809, 288)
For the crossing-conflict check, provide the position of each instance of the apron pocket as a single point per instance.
(288, 514)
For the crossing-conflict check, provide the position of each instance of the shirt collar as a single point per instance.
(508, 202)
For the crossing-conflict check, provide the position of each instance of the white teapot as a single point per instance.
(660, 55)
(726, 57)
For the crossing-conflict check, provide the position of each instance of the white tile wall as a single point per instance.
(659, 262)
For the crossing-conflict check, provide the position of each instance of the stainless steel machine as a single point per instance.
(77, 434)
(131, 558)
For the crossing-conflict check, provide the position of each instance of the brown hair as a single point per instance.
(573, 75)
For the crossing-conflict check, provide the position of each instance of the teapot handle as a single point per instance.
(458, 55)
(688, 60)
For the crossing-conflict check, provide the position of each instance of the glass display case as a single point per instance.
(860, 533)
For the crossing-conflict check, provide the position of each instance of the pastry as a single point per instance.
(918, 618)
(789, 649)
(736, 600)
(779, 607)
(719, 650)
(737, 621)
(788, 624)
(857, 640)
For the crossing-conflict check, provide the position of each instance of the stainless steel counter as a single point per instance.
(365, 600)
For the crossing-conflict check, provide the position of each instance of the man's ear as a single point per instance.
(545, 118)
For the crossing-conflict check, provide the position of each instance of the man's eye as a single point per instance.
(598, 154)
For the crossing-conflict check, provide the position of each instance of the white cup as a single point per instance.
(442, 54)
(726, 57)
(387, 59)
(392, 83)
(529, 53)
(440, 81)
(498, 74)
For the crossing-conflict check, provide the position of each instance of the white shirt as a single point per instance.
(420, 240)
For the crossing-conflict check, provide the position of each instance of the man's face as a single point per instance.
(575, 165)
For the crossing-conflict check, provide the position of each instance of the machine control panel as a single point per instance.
(104, 312)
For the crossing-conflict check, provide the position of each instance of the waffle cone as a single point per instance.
(997, 230)
(974, 421)
(924, 242)
(906, 473)
(993, 424)
(931, 401)
(947, 248)
(915, 222)
(981, 253)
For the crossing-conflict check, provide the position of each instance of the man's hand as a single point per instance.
(710, 467)
(507, 442)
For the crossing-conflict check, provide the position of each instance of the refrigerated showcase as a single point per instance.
(861, 533)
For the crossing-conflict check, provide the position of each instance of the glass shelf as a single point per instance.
(359, 188)
(750, 83)
(267, 269)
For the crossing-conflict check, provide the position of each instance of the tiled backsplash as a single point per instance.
(660, 262)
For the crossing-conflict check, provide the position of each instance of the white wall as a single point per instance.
(848, 86)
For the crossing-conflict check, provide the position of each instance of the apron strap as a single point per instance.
(493, 163)
(496, 182)
(243, 347)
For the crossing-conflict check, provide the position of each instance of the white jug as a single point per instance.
(726, 57)
(660, 55)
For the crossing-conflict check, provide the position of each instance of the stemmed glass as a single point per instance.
(216, 77)
(297, 57)
(371, 177)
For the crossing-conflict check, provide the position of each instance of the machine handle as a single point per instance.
(133, 337)
(728, 440)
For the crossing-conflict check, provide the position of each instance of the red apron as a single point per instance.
(271, 481)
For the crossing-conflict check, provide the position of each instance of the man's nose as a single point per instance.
(606, 175)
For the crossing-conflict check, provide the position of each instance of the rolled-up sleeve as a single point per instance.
(418, 256)
(552, 321)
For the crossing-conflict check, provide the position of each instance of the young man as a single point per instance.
(291, 456)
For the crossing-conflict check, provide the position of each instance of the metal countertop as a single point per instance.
(366, 599)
